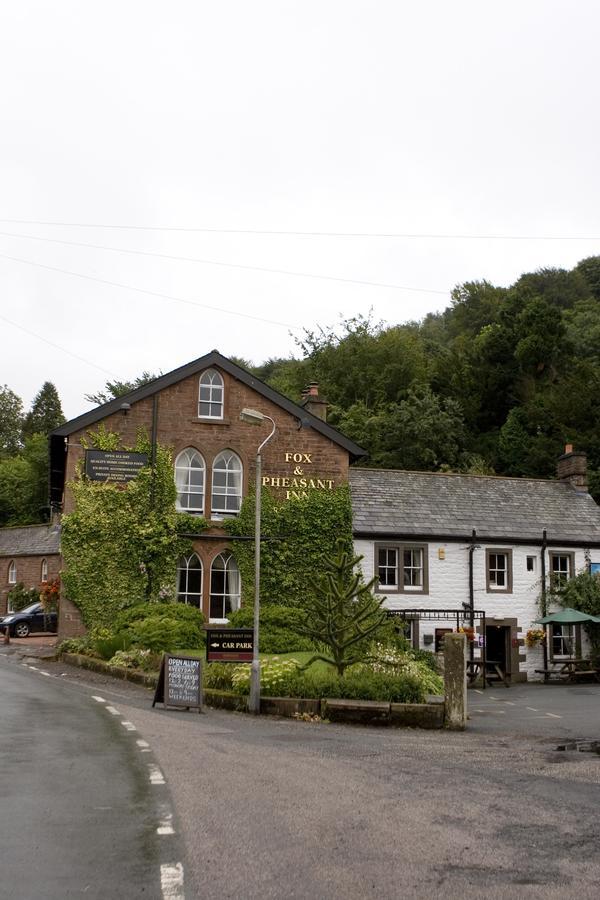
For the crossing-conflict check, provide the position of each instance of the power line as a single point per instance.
(160, 296)
(336, 234)
(212, 262)
(57, 346)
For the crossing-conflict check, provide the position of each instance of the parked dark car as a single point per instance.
(27, 620)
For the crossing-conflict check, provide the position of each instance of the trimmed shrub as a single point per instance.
(136, 658)
(278, 627)
(281, 678)
(106, 647)
(19, 597)
(74, 645)
(179, 611)
(164, 635)
(218, 676)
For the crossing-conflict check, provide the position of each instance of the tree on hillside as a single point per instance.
(46, 412)
(114, 389)
(24, 484)
(11, 421)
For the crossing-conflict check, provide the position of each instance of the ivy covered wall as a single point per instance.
(297, 534)
(121, 543)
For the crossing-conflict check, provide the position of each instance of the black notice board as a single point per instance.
(179, 682)
(118, 466)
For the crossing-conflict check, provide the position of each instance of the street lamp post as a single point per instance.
(254, 417)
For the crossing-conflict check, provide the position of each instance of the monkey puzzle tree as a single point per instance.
(341, 612)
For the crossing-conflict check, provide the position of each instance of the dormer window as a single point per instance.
(210, 397)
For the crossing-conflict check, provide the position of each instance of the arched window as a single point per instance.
(189, 478)
(226, 484)
(210, 396)
(189, 581)
(12, 572)
(44, 573)
(224, 586)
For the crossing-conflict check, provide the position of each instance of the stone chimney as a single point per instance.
(313, 403)
(572, 468)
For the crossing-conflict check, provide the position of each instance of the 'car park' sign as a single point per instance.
(229, 645)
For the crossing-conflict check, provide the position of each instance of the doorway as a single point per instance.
(497, 646)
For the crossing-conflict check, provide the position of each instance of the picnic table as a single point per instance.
(493, 671)
(569, 671)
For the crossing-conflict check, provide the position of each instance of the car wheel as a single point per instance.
(21, 630)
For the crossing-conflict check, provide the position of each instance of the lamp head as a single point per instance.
(252, 416)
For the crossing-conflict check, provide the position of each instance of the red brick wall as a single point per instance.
(29, 573)
(179, 427)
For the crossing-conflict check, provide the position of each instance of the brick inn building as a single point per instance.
(432, 541)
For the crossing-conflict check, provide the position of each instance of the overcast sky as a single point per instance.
(381, 117)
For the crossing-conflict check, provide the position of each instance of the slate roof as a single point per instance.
(29, 540)
(389, 503)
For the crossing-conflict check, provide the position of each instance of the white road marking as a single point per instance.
(144, 746)
(509, 703)
(47, 674)
(98, 699)
(129, 726)
(113, 711)
(34, 668)
(532, 709)
(554, 716)
(166, 824)
(477, 691)
(156, 776)
(171, 881)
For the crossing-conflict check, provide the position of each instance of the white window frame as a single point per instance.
(211, 391)
(183, 575)
(183, 472)
(565, 640)
(561, 574)
(12, 572)
(400, 574)
(230, 594)
(220, 496)
(44, 571)
(493, 570)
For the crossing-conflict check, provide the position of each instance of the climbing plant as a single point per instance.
(297, 536)
(121, 542)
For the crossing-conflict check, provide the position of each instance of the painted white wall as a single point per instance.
(449, 587)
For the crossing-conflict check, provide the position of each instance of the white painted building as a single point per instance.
(461, 542)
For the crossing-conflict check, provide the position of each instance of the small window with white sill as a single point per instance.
(499, 571)
(210, 395)
(401, 568)
(12, 572)
(561, 568)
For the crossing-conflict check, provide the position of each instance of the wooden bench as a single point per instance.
(552, 673)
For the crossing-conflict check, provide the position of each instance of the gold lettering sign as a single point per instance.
(297, 484)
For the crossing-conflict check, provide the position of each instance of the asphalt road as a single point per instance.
(282, 809)
(79, 814)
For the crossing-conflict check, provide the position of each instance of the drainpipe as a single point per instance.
(544, 607)
(472, 593)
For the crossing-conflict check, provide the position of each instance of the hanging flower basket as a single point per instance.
(468, 632)
(535, 636)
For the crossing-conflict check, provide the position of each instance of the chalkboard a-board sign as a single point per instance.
(179, 682)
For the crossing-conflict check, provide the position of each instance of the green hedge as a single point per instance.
(162, 627)
(277, 627)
